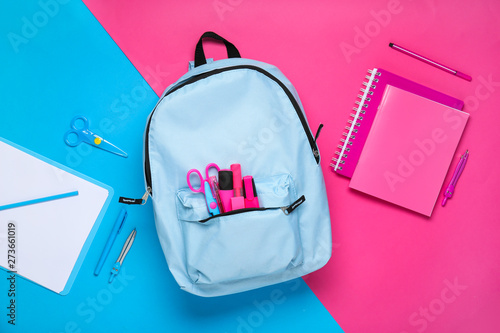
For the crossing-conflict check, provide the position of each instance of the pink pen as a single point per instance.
(430, 62)
(458, 171)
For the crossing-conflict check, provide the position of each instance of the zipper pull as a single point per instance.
(288, 209)
(315, 150)
(142, 201)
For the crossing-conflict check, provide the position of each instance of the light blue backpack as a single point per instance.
(236, 111)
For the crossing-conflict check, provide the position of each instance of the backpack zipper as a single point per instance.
(193, 79)
(286, 210)
(131, 201)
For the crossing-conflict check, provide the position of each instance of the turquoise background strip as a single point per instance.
(58, 62)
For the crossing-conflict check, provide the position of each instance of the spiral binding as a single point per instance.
(360, 109)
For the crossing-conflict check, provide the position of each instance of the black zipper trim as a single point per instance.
(193, 79)
(286, 209)
(237, 211)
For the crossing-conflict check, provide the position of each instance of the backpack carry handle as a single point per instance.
(199, 54)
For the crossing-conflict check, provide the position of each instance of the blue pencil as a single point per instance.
(39, 200)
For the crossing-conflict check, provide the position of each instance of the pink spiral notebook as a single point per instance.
(346, 157)
(408, 150)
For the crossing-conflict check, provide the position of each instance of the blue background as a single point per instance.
(57, 62)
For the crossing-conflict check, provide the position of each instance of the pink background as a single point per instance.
(391, 270)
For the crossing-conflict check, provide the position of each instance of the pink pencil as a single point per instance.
(430, 62)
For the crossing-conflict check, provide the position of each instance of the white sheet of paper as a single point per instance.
(50, 235)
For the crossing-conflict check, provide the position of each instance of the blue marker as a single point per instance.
(117, 227)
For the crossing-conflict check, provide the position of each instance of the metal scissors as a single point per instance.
(78, 134)
(205, 188)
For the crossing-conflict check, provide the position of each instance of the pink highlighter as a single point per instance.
(251, 200)
(237, 201)
(226, 189)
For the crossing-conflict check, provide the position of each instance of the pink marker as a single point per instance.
(251, 200)
(226, 189)
(237, 201)
(430, 62)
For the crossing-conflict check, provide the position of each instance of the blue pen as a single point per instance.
(39, 200)
(117, 227)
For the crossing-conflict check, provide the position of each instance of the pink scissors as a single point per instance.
(213, 207)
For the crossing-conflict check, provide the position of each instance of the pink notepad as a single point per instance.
(408, 150)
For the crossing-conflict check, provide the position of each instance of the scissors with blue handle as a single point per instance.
(78, 134)
(213, 208)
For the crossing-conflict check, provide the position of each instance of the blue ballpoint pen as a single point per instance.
(119, 262)
(117, 227)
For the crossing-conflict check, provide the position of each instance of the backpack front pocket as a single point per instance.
(246, 243)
